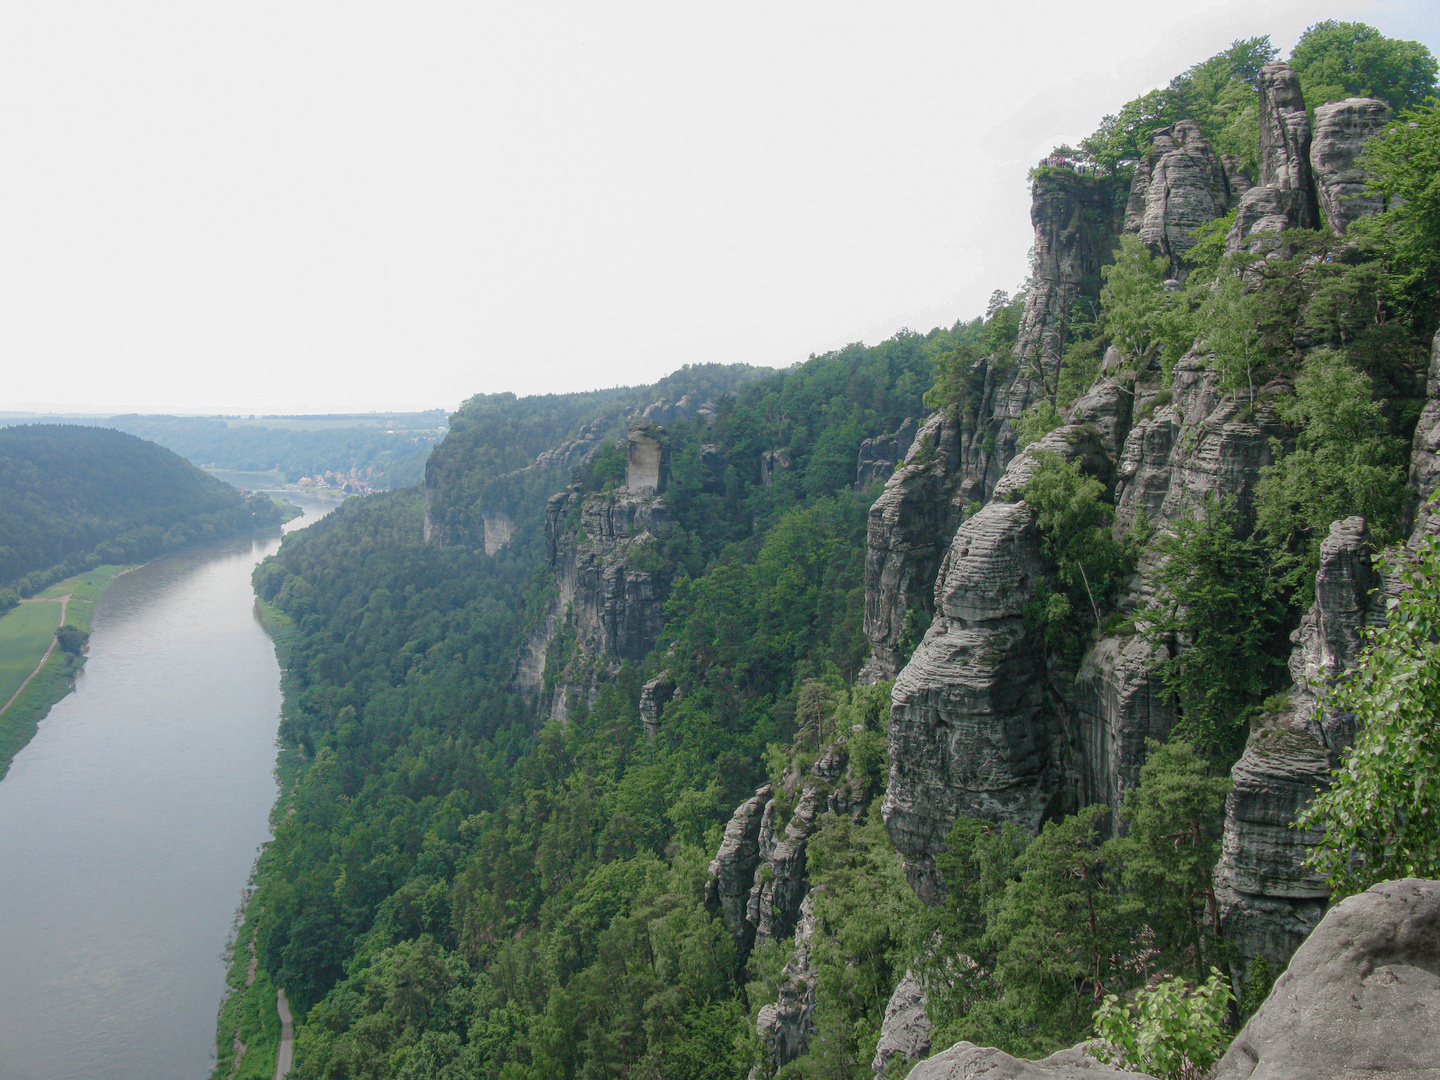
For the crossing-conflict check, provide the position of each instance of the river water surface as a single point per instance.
(129, 825)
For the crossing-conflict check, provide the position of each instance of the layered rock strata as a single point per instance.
(785, 1027)
(1178, 187)
(1360, 998)
(605, 606)
(1284, 197)
(976, 728)
(909, 528)
(1342, 128)
(879, 456)
(1269, 899)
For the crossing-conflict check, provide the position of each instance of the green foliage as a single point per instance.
(1137, 314)
(1171, 1032)
(1381, 810)
(1036, 422)
(1032, 932)
(1345, 461)
(1173, 820)
(72, 639)
(1404, 166)
(73, 498)
(1337, 60)
(1074, 522)
(1218, 94)
(1217, 599)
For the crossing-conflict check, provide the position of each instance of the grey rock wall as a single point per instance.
(1360, 998)
(1284, 197)
(1178, 187)
(1342, 128)
(905, 1031)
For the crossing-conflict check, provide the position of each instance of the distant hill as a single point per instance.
(359, 452)
(74, 497)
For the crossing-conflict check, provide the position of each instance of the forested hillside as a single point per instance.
(74, 497)
(801, 724)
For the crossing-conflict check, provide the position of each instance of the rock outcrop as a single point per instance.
(966, 1061)
(1342, 129)
(975, 728)
(605, 605)
(905, 1031)
(1191, 441)
(1360, 998)
(654, 696)
(1179, 186)
(785, 1027)
(1425, 448)
(1269, 899)
(909, 528)
(1284, 197)
(879, 456)
(732, 871)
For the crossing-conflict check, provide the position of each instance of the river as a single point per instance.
(130, 823)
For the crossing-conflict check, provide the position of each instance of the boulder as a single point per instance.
(905, 1031)
(1342, 128)
(966, 1061)
(1361, 997)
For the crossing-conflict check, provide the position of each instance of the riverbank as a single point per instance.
(250, 1034)
(34, 675)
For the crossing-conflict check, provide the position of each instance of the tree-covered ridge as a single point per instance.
(468, 889)
(74, 497)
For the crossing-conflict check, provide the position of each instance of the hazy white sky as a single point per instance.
(322, 206)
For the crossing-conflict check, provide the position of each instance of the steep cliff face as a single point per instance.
(607, 606)
(1179, 186)
(1077, 219)
(909, 528)
(1425, 449)
(1269, 900)
(1342, 128)
(953, 460)
(1284, 197)
(975, 729)
(879, 456)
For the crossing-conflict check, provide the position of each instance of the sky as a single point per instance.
(315, 206)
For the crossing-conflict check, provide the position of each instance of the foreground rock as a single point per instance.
(905, 1032)
(1361, 997)
(966, 1061)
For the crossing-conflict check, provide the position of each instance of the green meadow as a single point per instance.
(26, 631)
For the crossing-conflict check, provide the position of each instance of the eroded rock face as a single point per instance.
(905, 1031)
(1269, 899)
(1120, 702)
(1425, 449)
(613, 608)
(1360, 998)
(1179, 186)
(879, 456)
(1284, 197)
(786, 1026)
(1342, 128)
(909, 528)
(654, 696)
(1191, 441)
(971, 732)
(966, 1061)
(732, 871)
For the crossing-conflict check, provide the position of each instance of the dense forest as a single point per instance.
(480, 872)
(72, 498)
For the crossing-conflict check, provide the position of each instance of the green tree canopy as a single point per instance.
(1337, 60)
